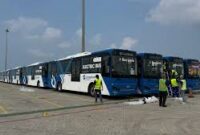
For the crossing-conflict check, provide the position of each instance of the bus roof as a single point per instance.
(75, 56)
(34, 64)
(191, 60)
(17, 67)
(149, 54)
(113, 49)
(172, 58)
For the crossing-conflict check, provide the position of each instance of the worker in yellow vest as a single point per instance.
(98, 88)
(175, 84)
(163, 91)
(174, 73)
(183, 88)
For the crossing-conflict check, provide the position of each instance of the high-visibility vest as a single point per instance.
(174, 72)
(98, 84)
(184, 85)
(174, 83)
(162, 85)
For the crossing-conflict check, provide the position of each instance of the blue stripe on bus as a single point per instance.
(193, 84)
(149, 86)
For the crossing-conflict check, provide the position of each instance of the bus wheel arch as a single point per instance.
(91, 91)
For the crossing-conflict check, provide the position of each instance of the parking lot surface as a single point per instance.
(34, 111)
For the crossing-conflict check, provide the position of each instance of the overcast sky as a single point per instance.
(42, 30)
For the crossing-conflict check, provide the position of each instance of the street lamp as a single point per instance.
(6, 53)
(83, 25)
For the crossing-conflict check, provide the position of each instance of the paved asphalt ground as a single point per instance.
(33, 111)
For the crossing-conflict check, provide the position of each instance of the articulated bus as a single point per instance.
(36, 75)
(192, 73)
(14, 75)
(149, 72)
(117, 69)
(3, 76)
(174, 63)
(6, 76)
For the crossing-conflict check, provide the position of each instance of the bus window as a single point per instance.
(52, 69)
(15, 74)
(123, 66)
(106, 66)
(152, 68)
(32, 73)
(76, 70)
(65, 66)
(20, 73)
(45, 71)
(91, 65)
(193, 71)
(178, 67)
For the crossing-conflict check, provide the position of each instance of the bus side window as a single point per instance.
(44, 71)
(32, 73)
(54, 70)
(139, 67)
(15, 74)
(106, 65)
(76, 70)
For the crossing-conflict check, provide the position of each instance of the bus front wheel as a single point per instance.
(91, 90)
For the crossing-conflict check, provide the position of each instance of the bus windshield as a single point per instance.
(152, 68)
(178, 67)
(193, 70)
(123, 66)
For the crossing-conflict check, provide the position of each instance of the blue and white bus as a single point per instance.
(14, 75)
(117, 69)
(192, 73)
(6, 76)
(3, 76)
(149, 72)
(35, 75)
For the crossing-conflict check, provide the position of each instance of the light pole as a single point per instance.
(83, 25)
(6, 53)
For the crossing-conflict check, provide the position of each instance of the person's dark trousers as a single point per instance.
(175, 91)
(162, 98)
(98, 93)
(170, 90)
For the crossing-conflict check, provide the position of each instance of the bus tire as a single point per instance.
(91, 90)
(59, 87)
(38, 84)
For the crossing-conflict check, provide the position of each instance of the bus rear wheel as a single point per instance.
(91, 90)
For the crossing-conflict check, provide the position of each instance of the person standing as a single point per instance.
(98, 88)
(183, 88)
(174, 84)
(163, 91)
